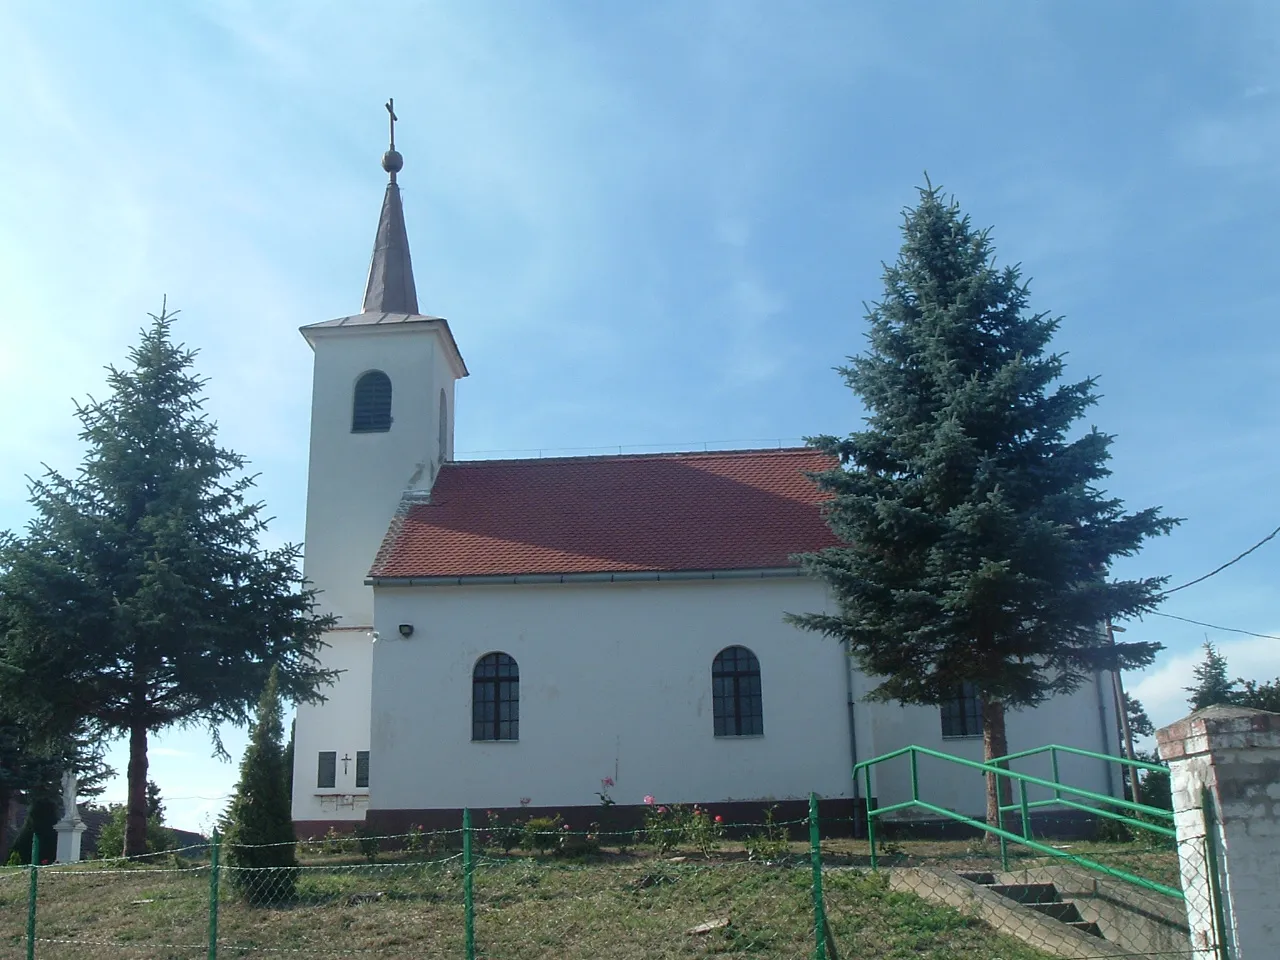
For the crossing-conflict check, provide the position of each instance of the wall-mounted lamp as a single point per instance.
(406, 630)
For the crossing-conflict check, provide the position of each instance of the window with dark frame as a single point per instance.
(371, 404)
(735, 693)
(962, 715)
(327, 776)
(495, 698)
(362, 769)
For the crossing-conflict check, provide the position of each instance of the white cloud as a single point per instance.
(1161, 687)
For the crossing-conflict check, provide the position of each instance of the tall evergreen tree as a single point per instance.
(1140, 724)
(259, 822)
(977, 539)
(1212, 686)
(140, 596)
(155, 802)
(1259, 696)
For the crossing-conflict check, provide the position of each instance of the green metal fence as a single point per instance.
(687, 884)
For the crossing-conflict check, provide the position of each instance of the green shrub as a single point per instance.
(111, 837)
(665, 825)
(769, 842)
(670, 825)
(542, 833)
(414, 841)
(336, 844)
(579, 844)
(368, 842)
(705, 830)
(504, 835)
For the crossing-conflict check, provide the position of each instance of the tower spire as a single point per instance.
(390, 288)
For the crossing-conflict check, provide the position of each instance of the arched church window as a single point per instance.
(444, 425)
(371, 406)
(735, 693)
(495, 698)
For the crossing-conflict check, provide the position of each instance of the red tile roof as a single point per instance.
(739, 510)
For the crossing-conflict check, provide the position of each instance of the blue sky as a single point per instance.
(654, 225)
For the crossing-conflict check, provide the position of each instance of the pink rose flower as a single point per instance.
(662, 809)
(607, 781)
(649, 799)
(719, 819)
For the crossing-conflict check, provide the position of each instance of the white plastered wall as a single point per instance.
(355, 480)
(355, 483)
(615, 681)
(341, 724)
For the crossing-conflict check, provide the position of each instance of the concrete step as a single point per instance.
(1089, 927)
(1040, 897)
(1029, 911)
(1027, 893)
(1063, 910)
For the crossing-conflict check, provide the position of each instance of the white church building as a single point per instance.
(513, 632)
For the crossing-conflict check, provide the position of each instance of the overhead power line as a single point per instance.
(1214, 626)
(1192, 583)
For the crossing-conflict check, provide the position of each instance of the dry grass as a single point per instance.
(619, 906)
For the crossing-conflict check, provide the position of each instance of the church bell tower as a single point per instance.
(382, 413)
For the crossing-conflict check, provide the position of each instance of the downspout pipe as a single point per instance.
(851, 704)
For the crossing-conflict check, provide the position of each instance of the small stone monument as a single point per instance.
(70, 828)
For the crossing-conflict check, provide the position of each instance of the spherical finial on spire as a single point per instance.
(392, 162)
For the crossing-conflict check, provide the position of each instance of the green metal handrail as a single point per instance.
(1006, 836)
(1054, 749)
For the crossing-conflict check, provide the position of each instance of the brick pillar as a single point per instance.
(1224, 764)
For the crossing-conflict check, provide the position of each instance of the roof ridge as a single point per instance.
(661, 455)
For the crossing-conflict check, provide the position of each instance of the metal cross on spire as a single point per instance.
(392, 162)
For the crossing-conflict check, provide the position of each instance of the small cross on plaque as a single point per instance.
(346, 759)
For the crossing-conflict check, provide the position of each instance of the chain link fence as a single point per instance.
(690, 885)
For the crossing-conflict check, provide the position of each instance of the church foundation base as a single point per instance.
(837, 817)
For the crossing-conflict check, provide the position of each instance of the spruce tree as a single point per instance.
(1259, 696)
(1140, 724)
(977, 541)
(155, 802)
(139, 596)
(1212, 686)
(259, 822)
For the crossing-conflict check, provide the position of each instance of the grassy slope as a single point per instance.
(624, 907)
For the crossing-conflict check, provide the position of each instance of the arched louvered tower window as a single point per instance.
(444, 425)
(371, 406)
(495, 698)
(735, 693)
